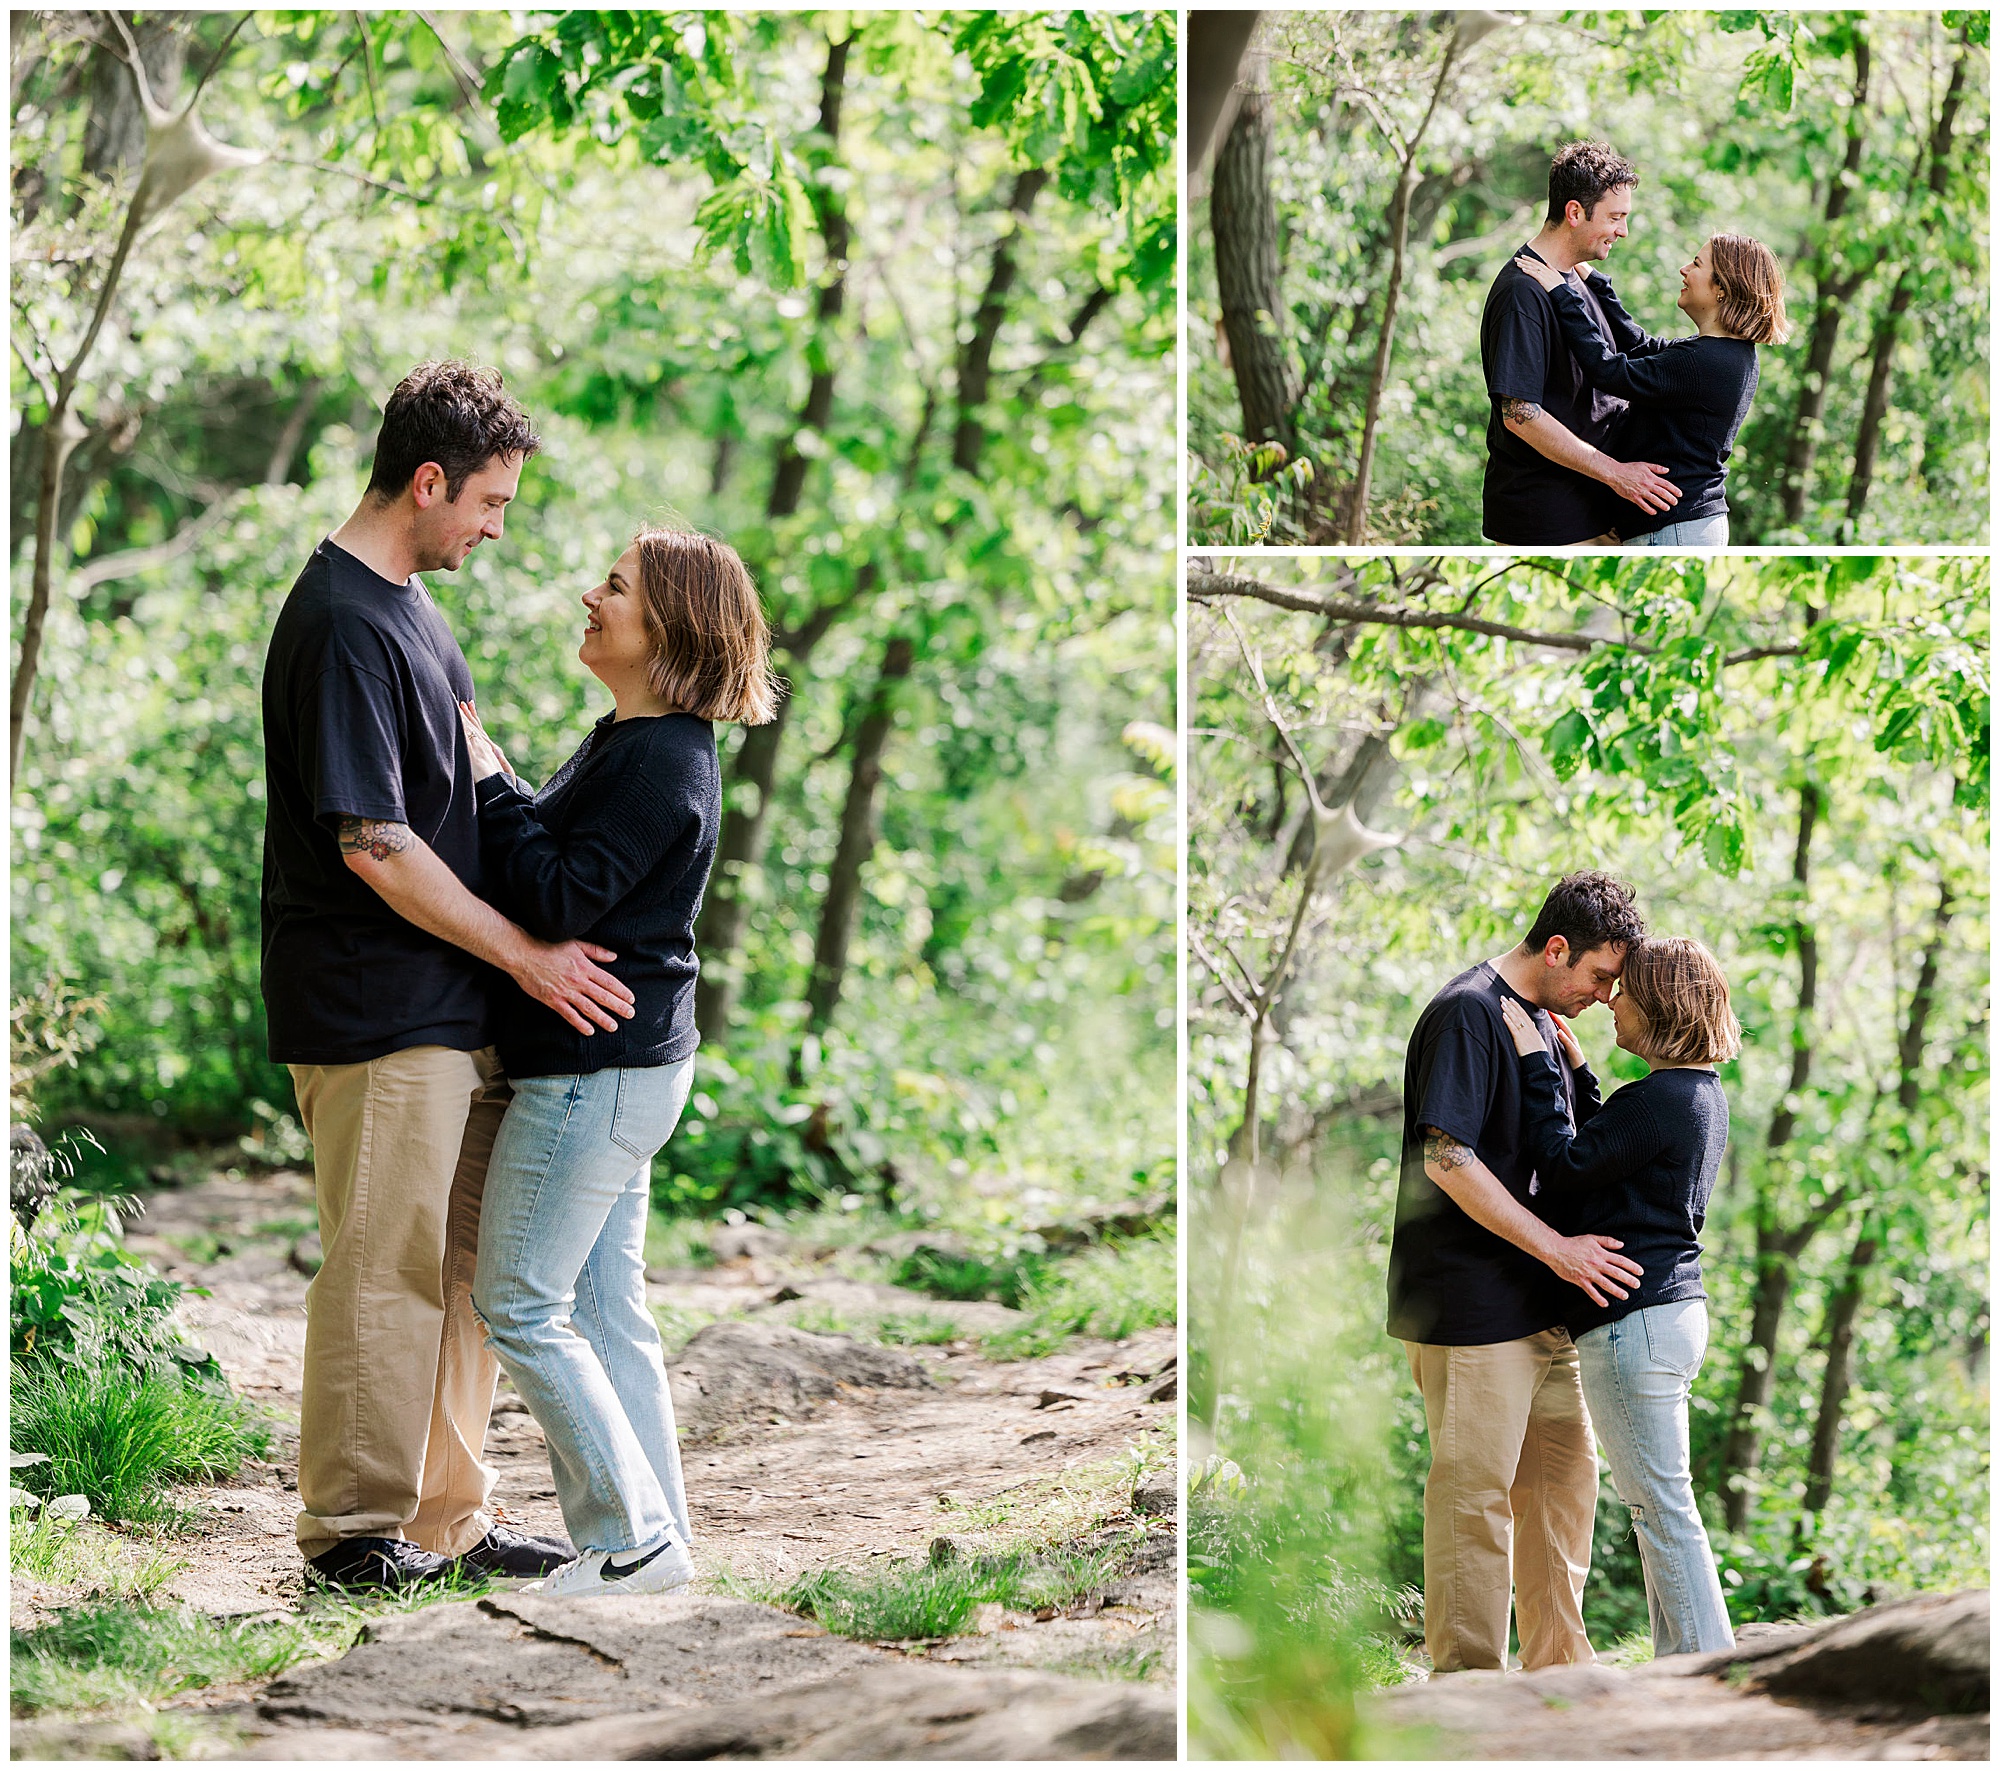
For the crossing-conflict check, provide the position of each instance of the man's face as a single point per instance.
(1568, 989)
(448, 529)
(1591, 235)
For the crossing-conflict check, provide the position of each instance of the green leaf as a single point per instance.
(1566, 743)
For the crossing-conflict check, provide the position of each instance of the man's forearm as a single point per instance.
(1551, 437)
(407, 874)
(1476, 1190)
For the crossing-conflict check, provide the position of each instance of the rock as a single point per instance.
(913, 1711)
(1854, 1688)
(1162, 1389)
(1129, 1217)
(1931, 1653)
(861, 1301)
(1051, 1397)
(305, 1256)
(1155, 1498)
(947, 1549)
(744, 1242)
(540, 1663)
(749, 1371)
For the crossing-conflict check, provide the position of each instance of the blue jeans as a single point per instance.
(1637, 1372)
(1702, 532)
(561, 1289)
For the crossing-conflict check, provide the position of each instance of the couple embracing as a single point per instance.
(1600, 431)
(485, 997)
(1545, 1277)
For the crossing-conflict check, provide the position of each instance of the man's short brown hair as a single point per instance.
(1583, 172)
(1679, 989)
(711, 644)
(1751, 288)
(1589, 910)
(455, 414)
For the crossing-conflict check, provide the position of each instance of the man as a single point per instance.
(376, 949)
(1545, 461)
(1476, 1285)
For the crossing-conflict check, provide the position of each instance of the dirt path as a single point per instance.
(991, 1454)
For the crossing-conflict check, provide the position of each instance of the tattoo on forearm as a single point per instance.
(1520, 411)
(378, 838)
(1445, 1152)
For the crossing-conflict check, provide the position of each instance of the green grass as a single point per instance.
(1110, 1291)
(118, 1438)
(918, 1330)
(115, 1655)
(82, 1554)
(917, 1601)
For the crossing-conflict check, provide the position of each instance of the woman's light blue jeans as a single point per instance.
(1637, 1372)
(1702, 532)
(561, 1289)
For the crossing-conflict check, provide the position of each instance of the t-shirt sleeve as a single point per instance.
(1517, 348)
(351, 743)
(1460, 1084)
(616, 831)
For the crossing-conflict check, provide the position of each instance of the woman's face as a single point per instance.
(1630, 1023)
(1699, 295)
(614, 636)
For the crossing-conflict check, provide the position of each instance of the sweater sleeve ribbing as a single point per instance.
(1622, 1135)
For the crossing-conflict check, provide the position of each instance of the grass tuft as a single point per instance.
(1110, 1291)
(107, 1656)
(117, 1437)
(916, 1601)
(79, 1554)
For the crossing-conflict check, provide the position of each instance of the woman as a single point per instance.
(1640, 1169)
(616, 850)
(1689, 396)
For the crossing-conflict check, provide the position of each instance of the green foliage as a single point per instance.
(1107, 1292)
(1504, 764)
(78, 1299)
(1737, 122)
(118, 1438)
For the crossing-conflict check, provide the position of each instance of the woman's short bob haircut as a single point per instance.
(1751, 288)
(711, 644)
(1680, 990)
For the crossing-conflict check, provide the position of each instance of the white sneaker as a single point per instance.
(608, 1574)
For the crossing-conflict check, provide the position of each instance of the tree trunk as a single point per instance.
(1882, 356)
(975, 362)
(788, 479)
(1244, 220)
(1399, 241)
(857, 839)
(1216, 43)
(1841, 1310)
(1777, 1249)
(1832, 293)
(754, 773)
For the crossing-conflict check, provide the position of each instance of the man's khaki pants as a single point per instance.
(1512, 1469)
(398, 1377)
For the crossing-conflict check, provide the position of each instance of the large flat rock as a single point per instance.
(538, 1663)
(679, 1677)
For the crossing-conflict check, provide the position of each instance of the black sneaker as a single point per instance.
(379, 1563)
(515, 1556)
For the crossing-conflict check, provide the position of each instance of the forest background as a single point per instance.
(1788, 759)
(1380, 167)
(884, 299)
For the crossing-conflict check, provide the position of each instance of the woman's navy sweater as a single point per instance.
(1639, 1169)
(1689, 398)
(616, 850)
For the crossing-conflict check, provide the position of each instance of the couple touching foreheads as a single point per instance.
(485, 996)
(1545, 1277)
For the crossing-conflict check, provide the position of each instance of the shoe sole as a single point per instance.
(618, 1589)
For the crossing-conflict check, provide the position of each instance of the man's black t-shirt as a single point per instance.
(361, 692)
(1528, 497)
(1452, 1282)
